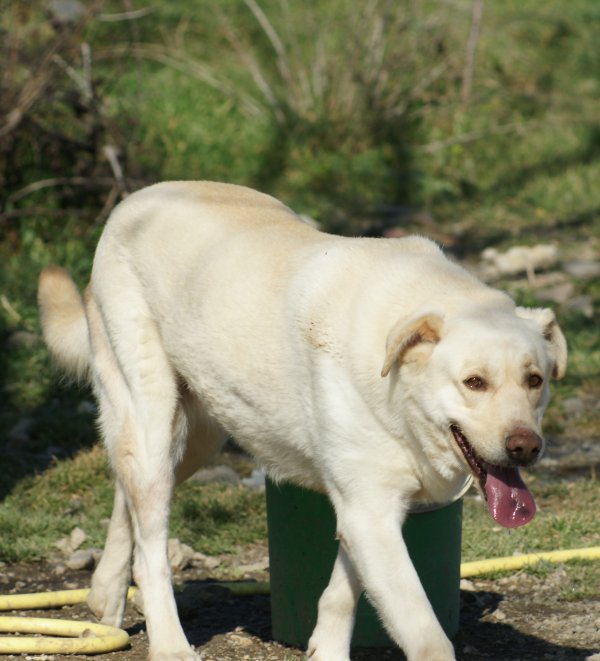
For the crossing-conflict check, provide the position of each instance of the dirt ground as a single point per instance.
(509, 619)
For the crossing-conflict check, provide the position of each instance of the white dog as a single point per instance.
(374, 370)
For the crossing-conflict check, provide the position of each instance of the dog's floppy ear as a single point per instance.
(555, 340)
(407, 334)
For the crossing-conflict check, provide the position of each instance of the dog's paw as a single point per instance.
(108, 607)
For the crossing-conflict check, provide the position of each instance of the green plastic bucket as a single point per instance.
(302, 550)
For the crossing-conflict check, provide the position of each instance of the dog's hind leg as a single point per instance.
(203, 439)
(111, 579)
(337, 606)
(138, 396)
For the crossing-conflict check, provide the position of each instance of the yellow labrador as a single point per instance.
(374, 370)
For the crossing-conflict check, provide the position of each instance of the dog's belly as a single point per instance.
(269, 430)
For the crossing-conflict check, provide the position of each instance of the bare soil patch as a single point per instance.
(515, 618)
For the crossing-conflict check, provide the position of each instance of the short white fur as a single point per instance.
(213, 311)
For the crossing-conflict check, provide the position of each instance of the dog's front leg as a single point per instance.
(369, 527)
(331, 638)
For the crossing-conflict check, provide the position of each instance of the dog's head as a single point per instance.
(482, 379)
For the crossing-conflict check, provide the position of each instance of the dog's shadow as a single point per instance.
(483, 635)
(207, 610)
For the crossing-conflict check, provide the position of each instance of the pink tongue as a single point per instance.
(509, 500)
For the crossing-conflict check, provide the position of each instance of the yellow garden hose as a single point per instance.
(39, 600)
(477, 567)
(57, 636)
(90, 638)
(81, 637)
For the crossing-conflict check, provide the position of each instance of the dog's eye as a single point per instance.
(535, 381)
(475, 383)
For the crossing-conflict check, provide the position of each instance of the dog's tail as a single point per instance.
(64, 323)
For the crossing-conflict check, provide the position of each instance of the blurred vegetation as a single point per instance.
(346, 111)
(474, 122)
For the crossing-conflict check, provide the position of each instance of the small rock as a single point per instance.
(77, 537)
(499, 615)
(583, 269)
(206, 561)
(72, 542)
(253, 567)
(81, 559)
(240, 641)
(560, 294)
(467, 585)
(219, 474)
(180, 555)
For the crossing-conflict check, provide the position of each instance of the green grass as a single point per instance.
(73, 492)
(218, 519)
(212, 518)
(565, 519)
(583, 581)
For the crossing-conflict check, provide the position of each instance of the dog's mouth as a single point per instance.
(509, 501)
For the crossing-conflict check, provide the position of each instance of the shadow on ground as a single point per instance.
(208, 611)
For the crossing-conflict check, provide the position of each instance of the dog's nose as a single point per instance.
(523, 446)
